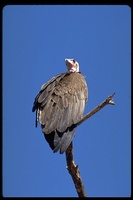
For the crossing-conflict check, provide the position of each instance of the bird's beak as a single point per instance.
(68, 61)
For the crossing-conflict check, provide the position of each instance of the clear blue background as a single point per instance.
(36, 40)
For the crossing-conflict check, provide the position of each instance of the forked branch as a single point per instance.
(71, 166)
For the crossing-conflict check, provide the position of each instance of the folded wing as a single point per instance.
(59, 106)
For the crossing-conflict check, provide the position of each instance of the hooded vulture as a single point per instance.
(60, 105)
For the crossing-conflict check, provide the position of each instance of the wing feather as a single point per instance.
(61, 102)
(41, 96)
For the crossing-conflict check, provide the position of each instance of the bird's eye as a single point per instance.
(74, 60)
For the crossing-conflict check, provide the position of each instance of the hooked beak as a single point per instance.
(68, 61)
(69, 64)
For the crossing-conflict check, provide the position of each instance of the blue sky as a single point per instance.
(36, 40)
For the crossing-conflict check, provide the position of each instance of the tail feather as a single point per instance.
(65, 141)
(60, 141)
(57, 141)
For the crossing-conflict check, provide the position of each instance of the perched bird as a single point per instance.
(60, 105)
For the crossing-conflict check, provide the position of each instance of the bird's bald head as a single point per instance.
(72, 65)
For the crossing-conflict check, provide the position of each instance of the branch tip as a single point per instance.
(111, 102)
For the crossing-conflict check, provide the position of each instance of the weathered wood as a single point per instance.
(74, 172)
(71, 166)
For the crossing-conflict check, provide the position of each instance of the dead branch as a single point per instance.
(71, 166)
(74, 172)
(107, 101)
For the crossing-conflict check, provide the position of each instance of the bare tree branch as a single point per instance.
(71, 166)
(107, 101)
(74, 172)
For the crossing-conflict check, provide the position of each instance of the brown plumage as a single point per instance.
(60, 105)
